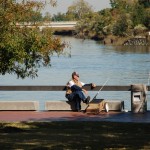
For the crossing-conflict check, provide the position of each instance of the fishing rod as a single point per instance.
(100, 89)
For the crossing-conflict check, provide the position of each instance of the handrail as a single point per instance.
(62, 88)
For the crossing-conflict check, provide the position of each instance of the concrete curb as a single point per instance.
(19, 105)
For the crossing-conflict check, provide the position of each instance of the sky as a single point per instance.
(62, 5)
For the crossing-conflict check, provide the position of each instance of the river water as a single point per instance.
(95, 63)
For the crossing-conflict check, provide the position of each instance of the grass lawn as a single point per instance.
(74, 135)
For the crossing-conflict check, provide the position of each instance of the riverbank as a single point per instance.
(113, 40)
(109, 39)
(74, 135)
(122, 41)
(128, 41)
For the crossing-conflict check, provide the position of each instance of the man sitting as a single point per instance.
(75, 91)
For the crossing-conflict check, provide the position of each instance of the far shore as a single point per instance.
(107, 40)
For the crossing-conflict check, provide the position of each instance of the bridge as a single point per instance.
(64, 25)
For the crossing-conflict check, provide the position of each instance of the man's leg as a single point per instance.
(77, 101)
(74, 97)
(83, 97)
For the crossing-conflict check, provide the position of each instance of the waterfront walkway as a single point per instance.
(49, 116)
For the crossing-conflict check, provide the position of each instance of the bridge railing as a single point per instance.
(56, 105)
(62, 88)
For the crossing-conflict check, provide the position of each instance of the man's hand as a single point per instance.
(93, 85)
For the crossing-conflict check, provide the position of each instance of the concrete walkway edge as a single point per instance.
(49, 116)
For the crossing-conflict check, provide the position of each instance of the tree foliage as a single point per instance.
(79, 9)
(60, 17)
(93, 26)
(47, 17)
(23, 49)
(121, 26)
(139, 15)
(120, 20)
(145, 3)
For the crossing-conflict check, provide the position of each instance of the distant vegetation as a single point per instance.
(23, 50)
(125, 19)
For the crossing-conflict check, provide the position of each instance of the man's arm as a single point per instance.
(76, 88)
(90, 84)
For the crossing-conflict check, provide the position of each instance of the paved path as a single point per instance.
(17, 116)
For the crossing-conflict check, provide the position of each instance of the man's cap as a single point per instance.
(75, 74)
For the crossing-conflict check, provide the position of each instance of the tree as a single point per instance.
(123, 19)
(145, 3)
(124, 6)
(47, 17)
(23, 49)
(84, 26)
(79, 9)
(34, 17)
(59, 17)
(139, 29)
(121, 26)
(138, 14)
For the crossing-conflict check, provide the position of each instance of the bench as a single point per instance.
(19, 105)
(114, 105)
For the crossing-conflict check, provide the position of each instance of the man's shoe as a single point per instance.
(106, 107)
(87, 100)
